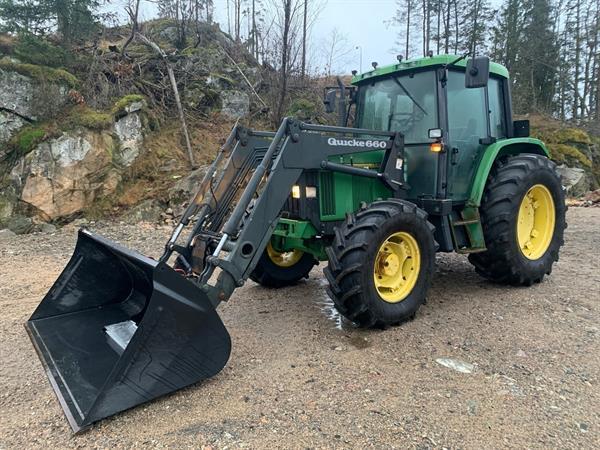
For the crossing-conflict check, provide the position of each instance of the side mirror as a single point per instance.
(330, 101)
(521, 128)
(478, 72)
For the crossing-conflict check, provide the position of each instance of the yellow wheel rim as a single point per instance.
(535, 223)
(285, 259)
(397, 266)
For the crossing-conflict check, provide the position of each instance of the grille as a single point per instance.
(327, 194)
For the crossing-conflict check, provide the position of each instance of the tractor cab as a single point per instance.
(448, 108)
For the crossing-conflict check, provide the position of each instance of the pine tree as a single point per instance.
(73, 20)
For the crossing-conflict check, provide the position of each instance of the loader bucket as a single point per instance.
(118, 329)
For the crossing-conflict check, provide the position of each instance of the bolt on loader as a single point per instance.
(433, 162)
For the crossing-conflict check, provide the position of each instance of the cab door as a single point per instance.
(476, 118)
(467, 126)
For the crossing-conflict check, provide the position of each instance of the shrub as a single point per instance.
(34, 50)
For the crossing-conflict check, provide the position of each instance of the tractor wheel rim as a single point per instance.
(284, 259)
(397, 266)
(535, 222)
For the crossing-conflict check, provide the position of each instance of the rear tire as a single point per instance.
(269, 273)
(516, 184)
(381, 263)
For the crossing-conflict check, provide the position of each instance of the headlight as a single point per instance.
(295, 191)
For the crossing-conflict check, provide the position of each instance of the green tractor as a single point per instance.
(433, 162)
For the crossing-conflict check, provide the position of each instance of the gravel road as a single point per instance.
(299, 377)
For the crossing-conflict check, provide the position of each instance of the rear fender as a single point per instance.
(513, 146)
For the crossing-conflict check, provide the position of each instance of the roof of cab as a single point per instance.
(417, 63)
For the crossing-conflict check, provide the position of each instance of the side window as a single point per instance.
(466, 111)
(467, 123)
(497, 120)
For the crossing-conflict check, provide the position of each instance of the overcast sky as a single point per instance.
(362, 21)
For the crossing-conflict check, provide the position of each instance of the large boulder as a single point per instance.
(146, 211)
(62, 176)
(10, 123)
(187, 186)
(575, 180)
(17, 93)
(235, 104)
(573, 148)
(28, 97)
(130, 131)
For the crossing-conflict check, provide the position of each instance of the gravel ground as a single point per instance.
(299, 377)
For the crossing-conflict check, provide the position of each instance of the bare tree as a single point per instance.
(173, 81)
(337, 50)
(304, 37)
(287, 21)
(132, 9)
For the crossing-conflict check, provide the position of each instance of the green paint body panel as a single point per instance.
(341, 193)
(298, 235)
(513, 146)
(423, 63)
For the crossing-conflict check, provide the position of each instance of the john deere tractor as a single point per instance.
(433, 162)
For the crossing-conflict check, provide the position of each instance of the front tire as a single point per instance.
(523, 219)
(276, 269)
(381, 263)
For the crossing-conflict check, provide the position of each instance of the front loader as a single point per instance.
(433, 162)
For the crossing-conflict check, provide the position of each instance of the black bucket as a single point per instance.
(118, 329)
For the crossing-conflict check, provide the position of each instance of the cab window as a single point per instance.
(497, 118)
(405, 103)
(467, 117)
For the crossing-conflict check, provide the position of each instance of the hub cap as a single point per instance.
(285, 259)
(535, 223)
(397, 266)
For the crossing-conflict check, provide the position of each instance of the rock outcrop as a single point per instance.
(576, 153)
(235, 104)
(62, 176)
(129, 130)
(10, 123)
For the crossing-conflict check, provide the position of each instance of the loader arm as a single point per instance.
(276, 162)
(118, 329)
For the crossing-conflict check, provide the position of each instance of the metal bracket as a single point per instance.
(228, 267)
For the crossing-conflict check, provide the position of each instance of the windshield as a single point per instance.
(404, 103)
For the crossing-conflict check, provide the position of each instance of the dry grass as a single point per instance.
(165, 159)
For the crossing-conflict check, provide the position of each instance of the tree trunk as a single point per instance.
(424, 28)
(456, 37)
(577, 60)
(447, 29)
(439, 22)
(254, 37)
(228, 18)
(284, 58)
(304, 26)
(408, 14)
(184, 128)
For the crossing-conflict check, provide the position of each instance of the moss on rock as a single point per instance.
(27, 139)
(569, 155)
(120, 106)
(40, 73)
(90, 119)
